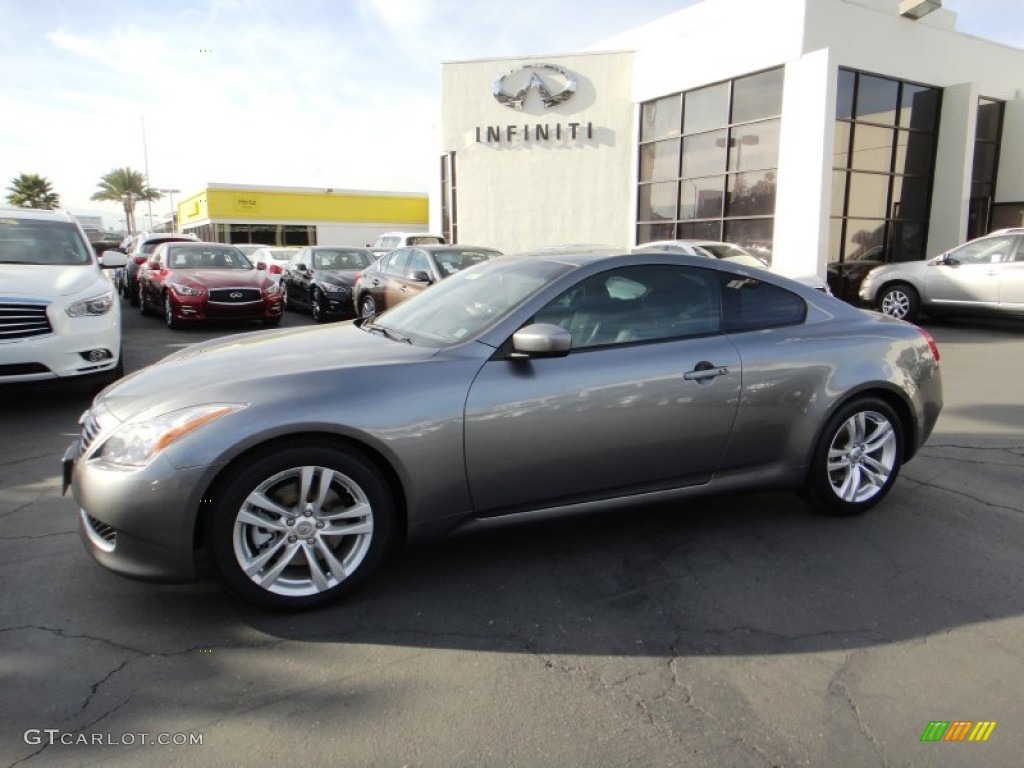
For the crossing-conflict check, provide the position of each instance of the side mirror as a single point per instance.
(274, 269)
(113, 260)
(541, 340)
(261, 265)
(140, 260)
(421, 277)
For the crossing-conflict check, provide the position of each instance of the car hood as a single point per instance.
(221, 278)
(231, 368)
(908, 268)
(46, 281)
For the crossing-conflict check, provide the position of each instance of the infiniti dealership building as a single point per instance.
(811, 131)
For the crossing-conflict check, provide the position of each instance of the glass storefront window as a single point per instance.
(918, 107)
(751, 194)
(869, 195)
(700, 230)
(706, 108)
(704, 154)
(872, 148)
(844, 94)
(753, 234)
(754, 146)
(877, 99)
(757, 96)
(659, 160)
(661, 119)
(657, 202)
(914, 153)
(701, 198)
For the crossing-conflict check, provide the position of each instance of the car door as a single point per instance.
(1011, 280)
(151, 274)
(969, 275)
(303, 275)
(386, 293)
(403, 285)
(645, 400)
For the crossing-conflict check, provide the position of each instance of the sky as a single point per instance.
(306, 93)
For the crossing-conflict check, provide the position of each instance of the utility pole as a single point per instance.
(145, 159)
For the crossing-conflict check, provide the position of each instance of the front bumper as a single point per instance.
(141, 522)
(198, 309)
(59, 354)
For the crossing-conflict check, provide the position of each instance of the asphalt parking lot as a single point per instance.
(740, 631)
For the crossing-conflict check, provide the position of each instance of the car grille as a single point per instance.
(235, 295)
(23, 320)
(102, 535)
(90, 428)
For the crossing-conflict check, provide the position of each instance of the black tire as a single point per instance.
(140, 302)
(132, 292)
(356, 488)
(169, 313)
(286, 303)
(316, 306)
(865, 439)
(367, 306)
(899, 300)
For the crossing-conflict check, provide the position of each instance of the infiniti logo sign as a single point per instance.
(235, 295)
(553, 84)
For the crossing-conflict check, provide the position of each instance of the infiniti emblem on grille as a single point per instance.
(554, 85)
(235, 295)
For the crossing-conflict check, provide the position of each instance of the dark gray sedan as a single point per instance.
(540, 385)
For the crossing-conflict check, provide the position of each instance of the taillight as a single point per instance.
(140, 259)
(931, 343)
(275, 269)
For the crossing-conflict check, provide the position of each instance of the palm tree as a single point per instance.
(30, 190)
(127, 187)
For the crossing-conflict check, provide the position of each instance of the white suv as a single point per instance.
(59, 314)
(388, 241)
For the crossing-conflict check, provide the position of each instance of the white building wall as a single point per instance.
(954, 157)
(516, 194)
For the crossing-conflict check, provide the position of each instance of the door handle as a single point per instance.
(705, 371)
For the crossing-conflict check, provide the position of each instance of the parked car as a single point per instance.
(728, 251)
(388, 241)
(142, 246)
(404, 272)
(539, 384)
(196, 282)
(984, 275)
(59, 314)
(274, 260)
(320, 278)
(844, 277)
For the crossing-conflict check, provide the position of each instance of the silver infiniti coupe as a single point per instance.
(296, 460)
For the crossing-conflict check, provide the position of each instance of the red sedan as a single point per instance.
(195, 282)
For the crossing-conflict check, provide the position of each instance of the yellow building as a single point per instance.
(232, 213)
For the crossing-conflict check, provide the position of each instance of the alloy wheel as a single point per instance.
(862, 456)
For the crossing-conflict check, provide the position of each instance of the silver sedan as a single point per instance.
(983, 275)
(296, 460)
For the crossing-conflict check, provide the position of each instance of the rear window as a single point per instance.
(34, 241)
(750, 305)
(424, 240)
(454, 261)
(150, 245)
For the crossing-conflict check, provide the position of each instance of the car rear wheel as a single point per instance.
(899, 300)
(316, 306)
(300, 527)
(169, 313)
(140, 301)
(132, 296)
(367, 306)
(286, 303)
(857, 459)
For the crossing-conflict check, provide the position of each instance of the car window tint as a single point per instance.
(418, 262)
(450, 262)
(396, 262)
(985, 251)
(637, 303)
(750, 305)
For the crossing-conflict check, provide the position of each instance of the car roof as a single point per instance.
(433, 247)
(39, 214)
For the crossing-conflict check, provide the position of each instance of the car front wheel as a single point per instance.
(169, 318)
(301, 526)
(899, 300)
(857, 459)
(316, 306)
(132, 296)
(367, 306)
(140, 301)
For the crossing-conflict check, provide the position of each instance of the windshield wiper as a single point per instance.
(389, 332)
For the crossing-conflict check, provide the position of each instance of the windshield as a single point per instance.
(206, 257)
(341, 258)
(731, 253)
(284, 254)
(150, 245)
(32, 241)
(469, 301)
(424, 240)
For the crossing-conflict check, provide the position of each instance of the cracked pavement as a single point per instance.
(739, 631)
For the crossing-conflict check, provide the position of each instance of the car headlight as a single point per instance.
(98, 305)
(335, 288)
(272, 290)
(136, 443)
(185, 290)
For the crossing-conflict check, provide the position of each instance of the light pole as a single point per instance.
(171, 193)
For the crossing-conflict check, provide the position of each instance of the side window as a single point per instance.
(636, 304)
(1020, 249)
(751, 305)
(418, 262)
(985, 251)
(396, 263)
